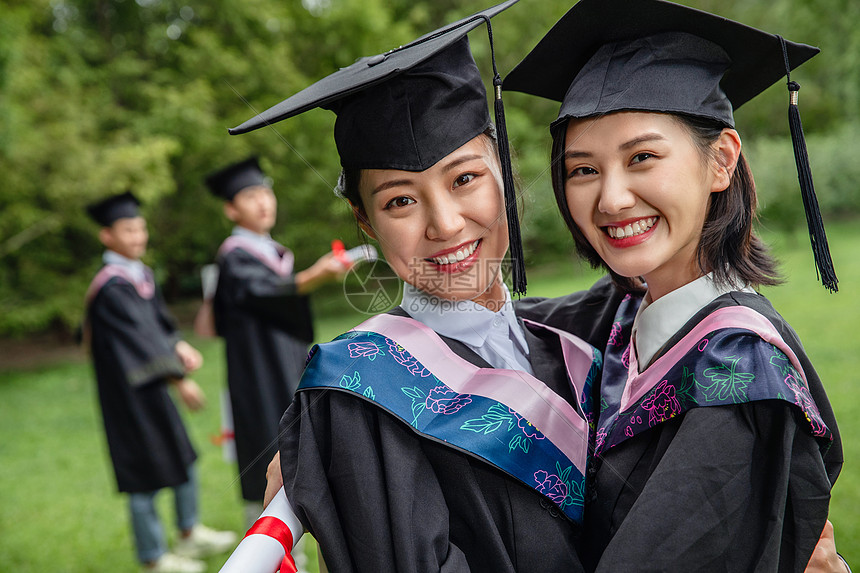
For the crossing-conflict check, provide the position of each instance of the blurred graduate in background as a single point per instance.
(138, 353)
(261, 309)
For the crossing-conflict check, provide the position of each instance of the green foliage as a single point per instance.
(827, 323)
(97, 96)
(834, 167)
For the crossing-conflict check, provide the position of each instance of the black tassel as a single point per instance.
(514, 236)
(817, 236)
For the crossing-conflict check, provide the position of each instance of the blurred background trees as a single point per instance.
(100, 96)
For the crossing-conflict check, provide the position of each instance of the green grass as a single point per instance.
(59, 510)
(827, 325)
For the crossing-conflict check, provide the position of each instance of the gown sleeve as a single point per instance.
(360, 483)
(755, 499)
(142, 338)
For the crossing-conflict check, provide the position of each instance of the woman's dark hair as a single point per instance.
(729, 247)
(347, 187)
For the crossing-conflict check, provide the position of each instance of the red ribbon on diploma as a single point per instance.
(222, 437)
(339, 251)
(277, 530)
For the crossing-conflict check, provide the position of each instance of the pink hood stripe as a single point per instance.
(728, 317)
(146, 288)
(533, 400)
(282, 266)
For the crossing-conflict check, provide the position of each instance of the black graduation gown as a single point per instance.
(378, 497)
(587, 314)
(266, 327)
(720, 488)
(133, 341)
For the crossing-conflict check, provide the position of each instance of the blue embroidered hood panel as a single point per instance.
(726, 366)
(379, 370)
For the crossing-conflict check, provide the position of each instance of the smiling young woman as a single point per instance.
(448, 434)
(639, 189)
(444, 229)
(715, 447)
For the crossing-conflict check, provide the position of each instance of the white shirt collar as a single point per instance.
(264, 242)
(135, 267)
(495, 336)
(658, 321)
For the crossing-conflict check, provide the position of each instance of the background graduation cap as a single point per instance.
(107, 211)
(612, 55)
(410, 107)
(227, 182)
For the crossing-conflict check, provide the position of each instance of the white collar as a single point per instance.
(264, 241)
(135, 267)
(463, 320)
(244, 232)
(656, 322)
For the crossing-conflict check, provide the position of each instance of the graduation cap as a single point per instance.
(107, 211)
(651, 55)
(408, 108)
(227, 182)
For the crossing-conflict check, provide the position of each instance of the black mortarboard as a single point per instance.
(652, 55)
(410, 107)
(227, 182)
(107, 211)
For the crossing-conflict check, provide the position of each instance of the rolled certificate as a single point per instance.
(353, 255)
(268, 544)
(209, 280)
(361, 253)
(228, 432)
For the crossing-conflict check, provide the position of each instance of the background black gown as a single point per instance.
(266, 327)
(132, 342)
(378, 497)
(721, 488)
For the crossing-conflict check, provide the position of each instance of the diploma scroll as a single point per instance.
(204, 321)
(263, 549)
(209, 280)
(361, 253)
(353, 255)
(227, 439)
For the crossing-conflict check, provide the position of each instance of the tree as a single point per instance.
(100, 96)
